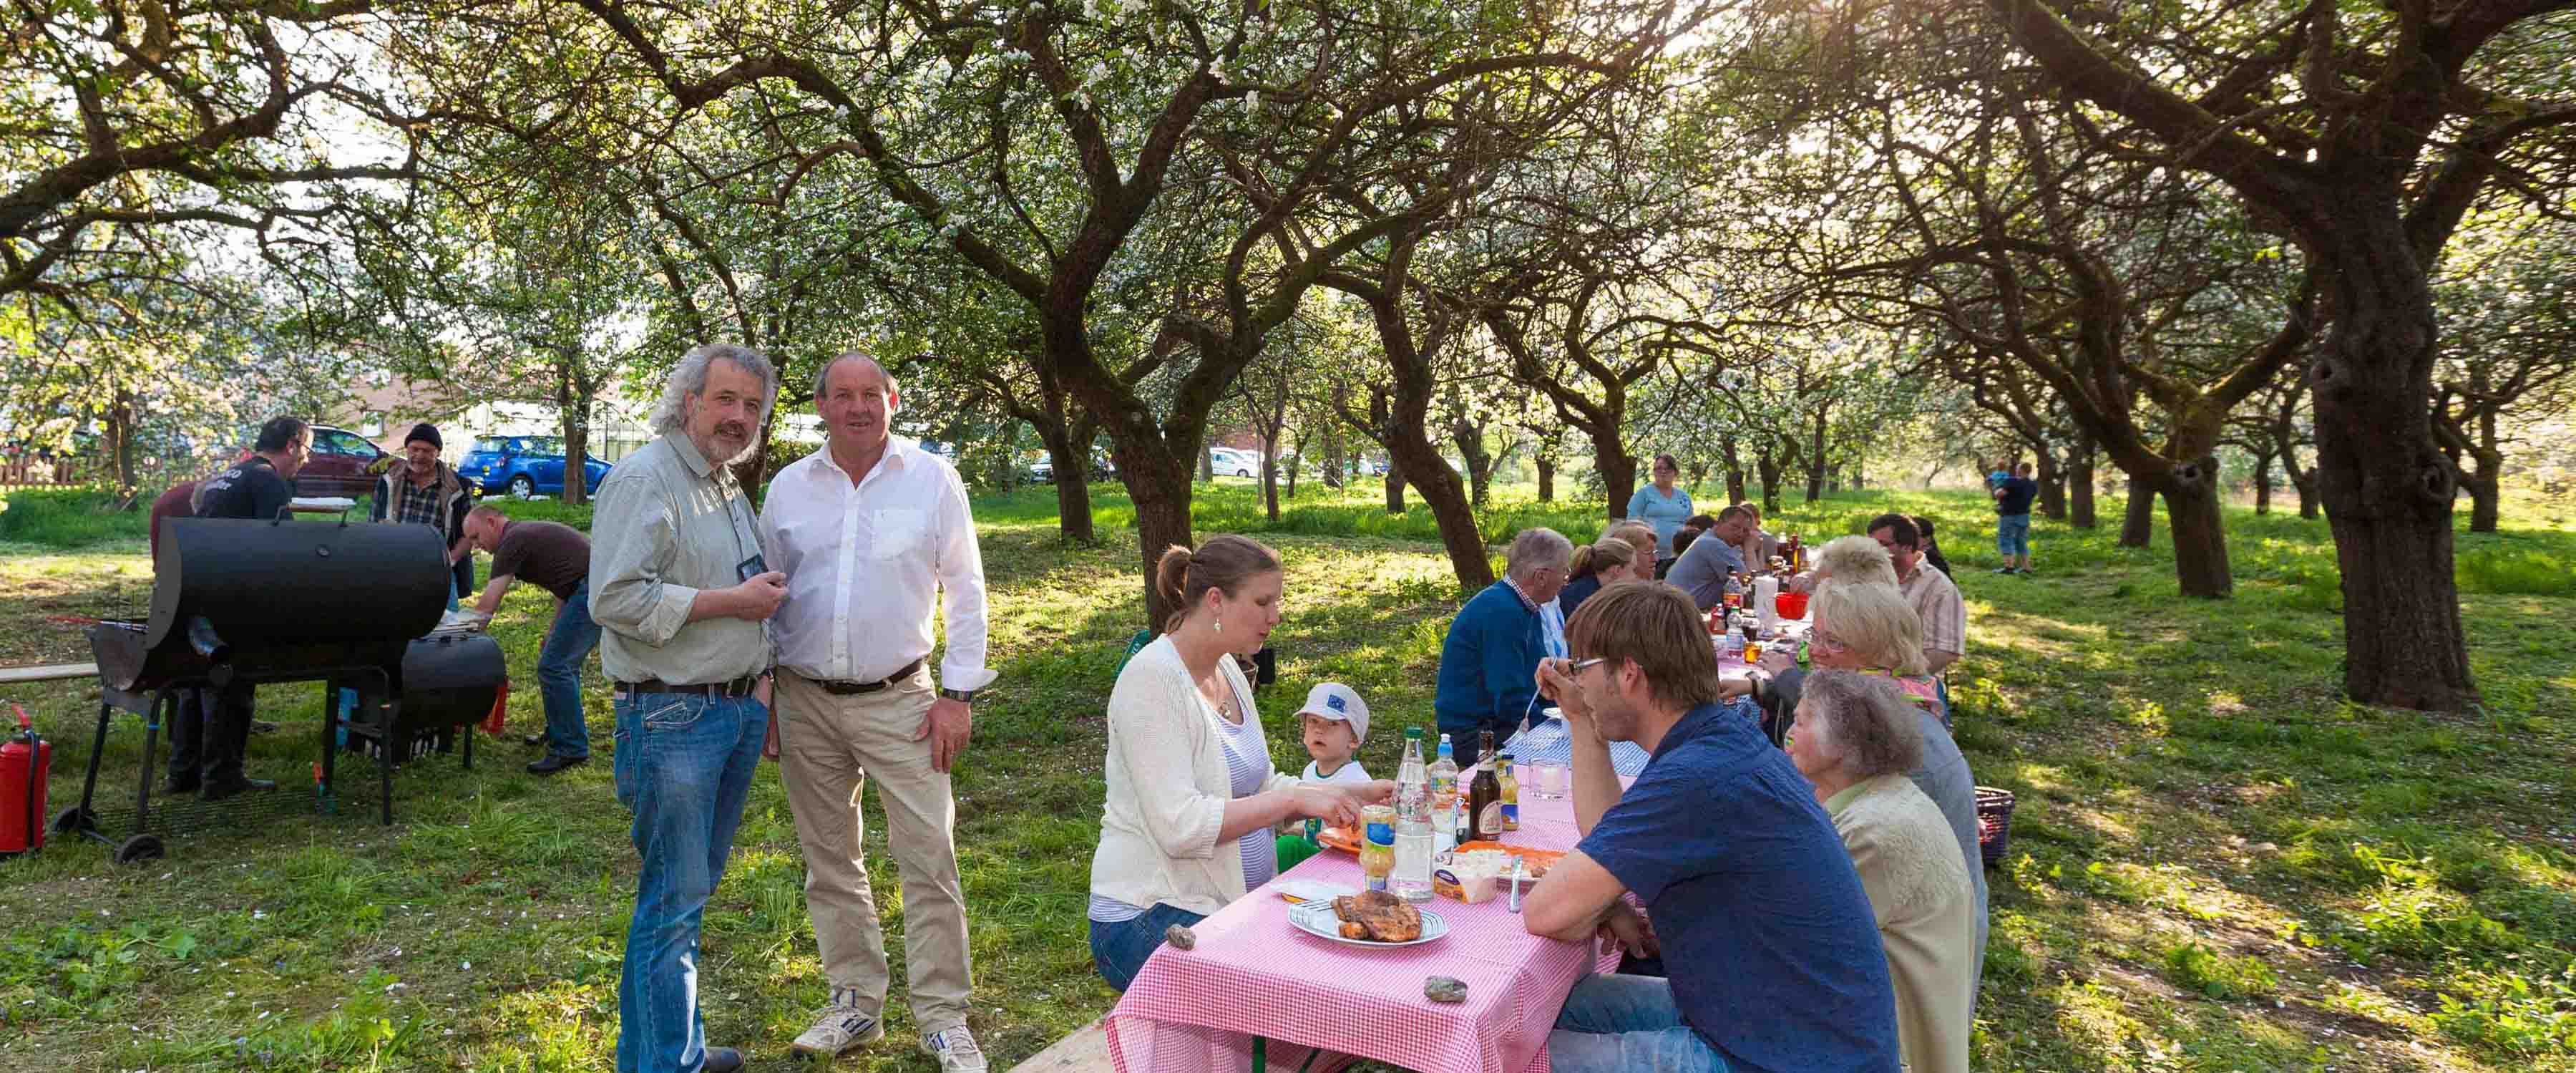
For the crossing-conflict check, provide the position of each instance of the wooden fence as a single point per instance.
(23, 474)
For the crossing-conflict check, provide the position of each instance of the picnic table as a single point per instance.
(1309, 1003)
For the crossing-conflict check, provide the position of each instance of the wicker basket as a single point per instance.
(1994, 823)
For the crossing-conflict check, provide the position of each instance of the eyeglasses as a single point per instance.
(1581, 665)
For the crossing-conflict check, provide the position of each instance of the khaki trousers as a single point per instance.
(828, 746)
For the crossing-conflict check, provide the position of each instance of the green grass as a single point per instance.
(2216, 864)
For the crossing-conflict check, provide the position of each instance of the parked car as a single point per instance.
(1043, 470)
(343, 464)
(524, 465)
(1235, 462)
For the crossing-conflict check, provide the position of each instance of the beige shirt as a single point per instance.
(1909, 864)
(667, 524)
(1936, 601)
(1168, 788)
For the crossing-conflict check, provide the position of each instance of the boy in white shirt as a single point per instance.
(1336, 720)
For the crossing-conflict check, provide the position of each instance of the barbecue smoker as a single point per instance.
(264, 602)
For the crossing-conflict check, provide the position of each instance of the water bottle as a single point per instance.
(1444, 793)
(1411, 880)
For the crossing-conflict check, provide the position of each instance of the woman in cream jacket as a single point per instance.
(1855, 738)
(1192, 796)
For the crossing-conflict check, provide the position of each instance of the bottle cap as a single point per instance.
(1414, 733)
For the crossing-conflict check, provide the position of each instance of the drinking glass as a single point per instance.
(1546, 780)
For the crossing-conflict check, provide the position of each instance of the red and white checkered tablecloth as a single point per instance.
(1254, 974)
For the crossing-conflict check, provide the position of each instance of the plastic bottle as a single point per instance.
(1411, 880)
(1444, 795)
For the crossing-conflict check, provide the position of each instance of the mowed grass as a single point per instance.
(2216, 864)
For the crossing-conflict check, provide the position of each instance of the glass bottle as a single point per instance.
(1411, 880)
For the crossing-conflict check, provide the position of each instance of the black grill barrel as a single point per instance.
(297, 581)
(202, 637)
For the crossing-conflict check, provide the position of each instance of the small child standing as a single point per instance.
(1335, 720)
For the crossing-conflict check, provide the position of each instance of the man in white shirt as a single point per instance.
(865, 529)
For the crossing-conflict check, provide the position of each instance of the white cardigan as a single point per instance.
(1168, 788)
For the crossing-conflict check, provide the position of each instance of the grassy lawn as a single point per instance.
(2215, 863)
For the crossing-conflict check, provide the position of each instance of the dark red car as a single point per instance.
(343, 464)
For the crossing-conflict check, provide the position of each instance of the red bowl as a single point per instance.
(1790, 604)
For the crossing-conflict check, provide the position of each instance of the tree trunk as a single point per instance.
(573, 399)
(1296, 459)
(1070, 455)
(2079, 484)
(1207, 463)
(1336, 465)
(2307, 498)
(2139, 526)
(2387, 490)
(2199, 534)
(1768, 468)
(2052, 485)
(1815, 457)
(2485, 490)
(1394, 486)
(1270, 476)
(1470, 441)
(1158, 482)
(1734, 471)
(1618, 470)
(1546, 480)
(2262, 484)
(2485, 483)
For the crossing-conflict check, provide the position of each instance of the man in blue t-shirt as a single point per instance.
(2012, 519)
(1775, 957)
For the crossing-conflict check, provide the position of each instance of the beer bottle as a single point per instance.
(1511, 792)
(1485, 795)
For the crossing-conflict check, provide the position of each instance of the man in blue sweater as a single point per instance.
(1494, 645)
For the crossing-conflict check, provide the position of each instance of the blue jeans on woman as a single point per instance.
(559, 675)
(1120, 948)
(684, 767)
(1613, 1024)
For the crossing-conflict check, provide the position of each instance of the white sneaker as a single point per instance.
(842, 1025)
(955, 1048)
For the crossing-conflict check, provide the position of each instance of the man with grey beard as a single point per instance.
(680, 591)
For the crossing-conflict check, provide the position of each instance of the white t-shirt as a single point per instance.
(1351, 773)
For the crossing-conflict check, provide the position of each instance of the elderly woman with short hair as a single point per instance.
(1846, 558)
(1642, 567)
(1855, 737)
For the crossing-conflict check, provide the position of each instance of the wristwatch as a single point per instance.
(961, 696)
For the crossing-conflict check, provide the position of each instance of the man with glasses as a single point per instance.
(1496, 641)
(1756, 908)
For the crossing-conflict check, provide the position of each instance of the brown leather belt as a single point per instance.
(739, 687)
(852, 689)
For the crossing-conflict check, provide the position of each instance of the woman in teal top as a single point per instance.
(1662, 505)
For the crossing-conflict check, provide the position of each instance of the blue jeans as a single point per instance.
(559, 674)
(1612, 1024)
(684, 767)
(2012, 534)
(1120, 949)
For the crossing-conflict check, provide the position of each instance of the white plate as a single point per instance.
(1319, 920)
(1312, 890)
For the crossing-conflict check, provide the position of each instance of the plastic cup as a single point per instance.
(1546, 781)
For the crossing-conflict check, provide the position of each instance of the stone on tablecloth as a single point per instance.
(1444, 989)
(1181, 936)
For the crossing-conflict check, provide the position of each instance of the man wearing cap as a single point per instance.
(1336, 722)
(424, 491)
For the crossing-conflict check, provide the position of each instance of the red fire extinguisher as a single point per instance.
(24, 762)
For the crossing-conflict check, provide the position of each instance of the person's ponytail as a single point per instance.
(1182, 576)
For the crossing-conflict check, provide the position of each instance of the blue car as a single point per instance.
(524, 466)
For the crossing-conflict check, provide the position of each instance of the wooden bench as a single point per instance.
(1084, 1050)
(11, 676)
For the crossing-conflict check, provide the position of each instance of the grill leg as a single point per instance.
(330, 743)
(165, 697)
(468, 731)
(97, 748)
(385, 765)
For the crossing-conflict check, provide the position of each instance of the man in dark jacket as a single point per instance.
(424, 491)
(207, 746)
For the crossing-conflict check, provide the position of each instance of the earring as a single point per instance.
(1220, 624)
